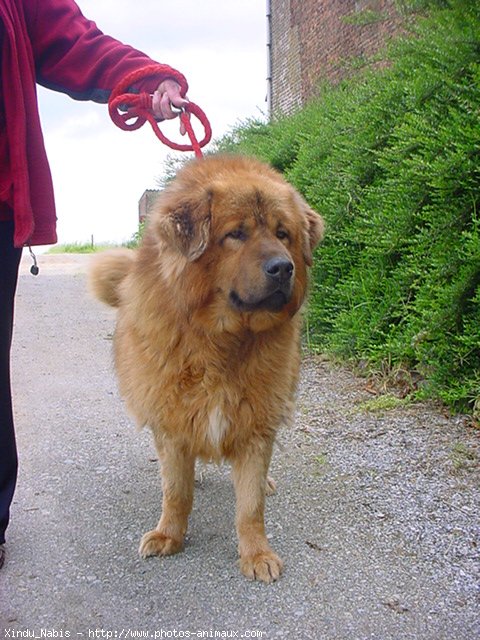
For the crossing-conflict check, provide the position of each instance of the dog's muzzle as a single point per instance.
(279, 272)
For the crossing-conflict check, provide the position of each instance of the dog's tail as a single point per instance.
(107, 271)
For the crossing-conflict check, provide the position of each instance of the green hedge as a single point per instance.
(391, 160)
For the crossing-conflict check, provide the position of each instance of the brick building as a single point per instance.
(146, 202)
(310, 40)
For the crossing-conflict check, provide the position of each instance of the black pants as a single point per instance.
(9, 262)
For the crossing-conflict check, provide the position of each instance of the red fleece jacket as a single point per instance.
(52, 43)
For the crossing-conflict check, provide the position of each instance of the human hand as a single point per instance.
(165, 97)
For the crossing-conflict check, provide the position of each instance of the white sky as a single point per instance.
(99, 171)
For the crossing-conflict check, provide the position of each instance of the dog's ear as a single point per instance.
(314, 231)
(186, 227)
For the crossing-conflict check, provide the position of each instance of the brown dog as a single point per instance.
(207, 338)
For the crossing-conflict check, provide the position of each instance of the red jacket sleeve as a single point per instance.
(73, 56)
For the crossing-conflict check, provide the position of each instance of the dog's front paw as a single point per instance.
(155, 543)
(265, 566)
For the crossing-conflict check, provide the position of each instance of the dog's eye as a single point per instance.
(237, 234)
(282, 234)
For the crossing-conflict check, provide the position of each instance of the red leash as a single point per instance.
(124, 107)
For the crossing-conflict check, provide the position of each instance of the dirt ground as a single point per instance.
(376, 513)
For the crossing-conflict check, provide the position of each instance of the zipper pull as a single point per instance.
(34, 268)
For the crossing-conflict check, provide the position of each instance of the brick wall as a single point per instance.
(146, 202)
(310, 40)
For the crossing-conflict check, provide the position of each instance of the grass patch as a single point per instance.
(91, 247)
(384, 403)
(77, 247)
(463, 457)
(322, 459)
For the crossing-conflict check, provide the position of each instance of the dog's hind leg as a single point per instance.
(270, 486)
(178, 477)
(257, 560)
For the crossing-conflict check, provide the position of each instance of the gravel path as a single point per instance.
(376, 514)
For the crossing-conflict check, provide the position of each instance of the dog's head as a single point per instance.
(236, 241)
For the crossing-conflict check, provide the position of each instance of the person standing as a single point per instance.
(51, 43)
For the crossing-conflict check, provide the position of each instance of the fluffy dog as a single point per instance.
(207, 338)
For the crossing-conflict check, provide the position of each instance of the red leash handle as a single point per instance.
(124, 107)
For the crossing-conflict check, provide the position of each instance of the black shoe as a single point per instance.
(2, 555)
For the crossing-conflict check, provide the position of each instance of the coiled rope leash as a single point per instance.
(124, 107)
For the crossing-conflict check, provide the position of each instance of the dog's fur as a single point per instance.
(207, 337)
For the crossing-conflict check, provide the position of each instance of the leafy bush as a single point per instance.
(391, 160)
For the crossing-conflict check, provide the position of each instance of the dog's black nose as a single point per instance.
(279, 269)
